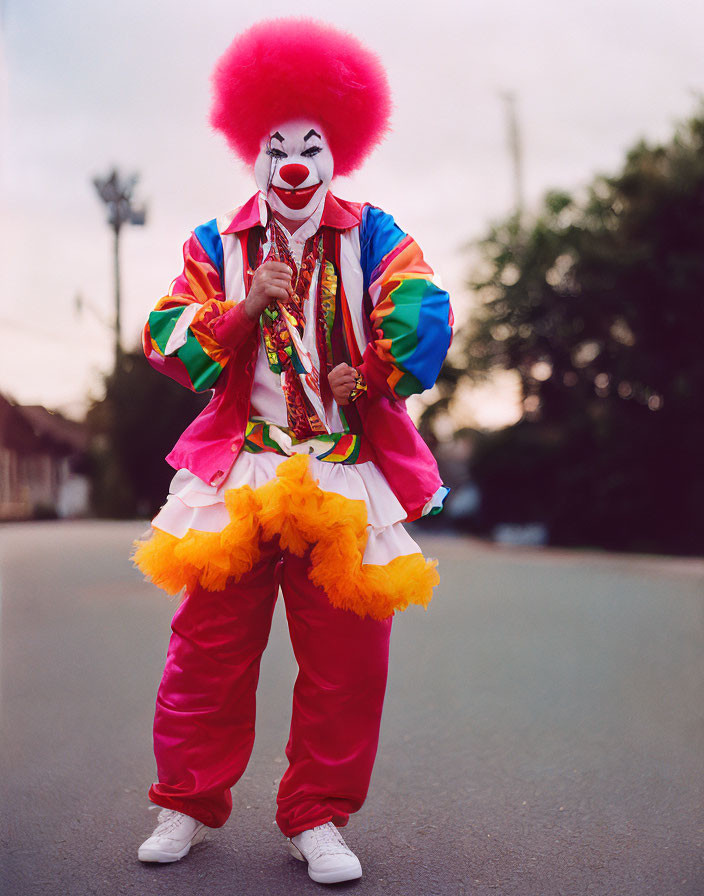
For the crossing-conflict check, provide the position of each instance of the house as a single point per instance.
(43, 459)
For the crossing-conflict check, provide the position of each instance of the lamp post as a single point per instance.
(117, 195)
(516, 152)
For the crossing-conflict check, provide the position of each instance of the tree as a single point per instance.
(134, 427)
(599, 307)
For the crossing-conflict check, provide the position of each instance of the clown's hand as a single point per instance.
(342, 381)
(271, 282)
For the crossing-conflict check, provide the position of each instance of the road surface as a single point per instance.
(543, 732)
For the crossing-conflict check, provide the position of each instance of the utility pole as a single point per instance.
(515, 151)
(117, 195)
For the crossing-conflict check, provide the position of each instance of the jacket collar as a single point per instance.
(337, 213)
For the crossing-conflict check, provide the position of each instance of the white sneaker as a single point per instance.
(175, 834)
(330, 860)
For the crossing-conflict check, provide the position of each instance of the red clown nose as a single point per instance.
(294, 174)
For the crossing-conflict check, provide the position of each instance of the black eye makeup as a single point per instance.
(276, 153)
(312, 151)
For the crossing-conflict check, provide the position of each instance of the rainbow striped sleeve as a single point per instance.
(411, 318)
(177, 338)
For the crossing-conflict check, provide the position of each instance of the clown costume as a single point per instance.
(311, 319)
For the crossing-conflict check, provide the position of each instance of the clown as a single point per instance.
(311, 319)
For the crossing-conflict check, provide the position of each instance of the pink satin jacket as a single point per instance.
(395, 324)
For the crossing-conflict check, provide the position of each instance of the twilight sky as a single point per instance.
(88, 84)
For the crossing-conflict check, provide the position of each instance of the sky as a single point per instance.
(89, 84)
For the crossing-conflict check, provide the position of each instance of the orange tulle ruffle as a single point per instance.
(293, 509)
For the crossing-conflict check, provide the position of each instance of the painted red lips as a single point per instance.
(296, 199)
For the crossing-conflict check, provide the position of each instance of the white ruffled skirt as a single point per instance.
(345, 515)
(192, 504)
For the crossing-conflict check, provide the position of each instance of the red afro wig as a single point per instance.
(283, 69)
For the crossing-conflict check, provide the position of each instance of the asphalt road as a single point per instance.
(543, 731)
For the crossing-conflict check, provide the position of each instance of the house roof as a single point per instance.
(56, 427)
(34, 428)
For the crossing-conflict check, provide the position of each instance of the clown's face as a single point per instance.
(294, 168)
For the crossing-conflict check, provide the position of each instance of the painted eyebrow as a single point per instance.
(276, 136)
(310, 133)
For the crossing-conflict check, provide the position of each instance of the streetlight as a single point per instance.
(516, 151)
(117, 195)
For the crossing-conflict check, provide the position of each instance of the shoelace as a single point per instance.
(169, 820)
(329, 839)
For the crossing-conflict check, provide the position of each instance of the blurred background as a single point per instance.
(548, 157)
(544, 729)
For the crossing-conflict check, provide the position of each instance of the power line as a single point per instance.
(8, 323)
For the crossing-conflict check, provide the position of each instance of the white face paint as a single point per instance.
(294, 168)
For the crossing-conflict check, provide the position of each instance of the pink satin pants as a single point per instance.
(204, 721)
